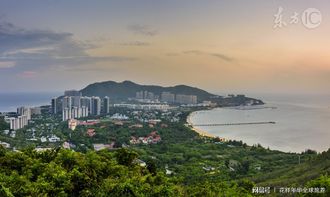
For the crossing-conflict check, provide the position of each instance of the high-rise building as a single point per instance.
(149, 95)
(75, 112)
(75, 107)
(186, 99)
(75, 100)
(146, 95)
(66, 114)
(86, 102)
(96, 106)
(21, 120)
(12, 121)
(35, 110)
(72, 93)
(67, 102)
(24, 111)
(168, 97)
(84, 111)
(139, 95)
(106, 105)
(54, 106)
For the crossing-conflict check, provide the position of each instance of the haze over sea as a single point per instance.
(302, 122)
(10, 101)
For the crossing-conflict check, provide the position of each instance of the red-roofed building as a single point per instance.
(90, 132)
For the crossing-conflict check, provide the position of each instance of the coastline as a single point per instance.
(197, 130)
(317, 143)
(205, 133)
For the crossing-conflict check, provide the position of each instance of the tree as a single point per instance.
(5, 192)
(3, 124)
(227, 163)
(247, 185)
(245, 167)
(151, 166)
(321, 182)
(126, 157)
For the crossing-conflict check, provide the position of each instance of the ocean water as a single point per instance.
(10, 101)
(302, 122)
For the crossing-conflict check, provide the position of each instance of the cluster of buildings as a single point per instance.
(19, 120)
(152, 138)
(118, 116)
(161, 107)
(185, 99)
(145, 95)
(73, 105)
(166, 97)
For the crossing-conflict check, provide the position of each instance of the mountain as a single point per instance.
(127, 89)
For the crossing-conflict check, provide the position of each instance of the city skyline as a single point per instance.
(219, 46)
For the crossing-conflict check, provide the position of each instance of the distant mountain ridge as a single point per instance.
(127, 89)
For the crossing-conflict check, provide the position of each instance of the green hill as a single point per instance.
(122, 91)
(298, 174)
(128, 89)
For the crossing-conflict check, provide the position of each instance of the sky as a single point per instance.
(233, 46)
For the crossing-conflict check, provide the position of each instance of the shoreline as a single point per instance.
(285, 149)
(197, 130)
(205, 133)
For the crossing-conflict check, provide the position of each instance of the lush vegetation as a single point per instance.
(181, 164)
(3, 124)
(61, 172)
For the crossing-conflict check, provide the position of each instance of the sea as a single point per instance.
(301, 122)
(10, 101)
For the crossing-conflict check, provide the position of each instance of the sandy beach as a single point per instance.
(197, 130)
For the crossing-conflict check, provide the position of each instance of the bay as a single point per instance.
(302, 122)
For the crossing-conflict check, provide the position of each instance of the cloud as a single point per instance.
(194, 52)
(135, 43)
(23, 49)
(14, 38)
(142, 30)
(222, 56)
(217, 55)
(7, 64)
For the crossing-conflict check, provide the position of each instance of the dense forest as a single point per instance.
(60, 172)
